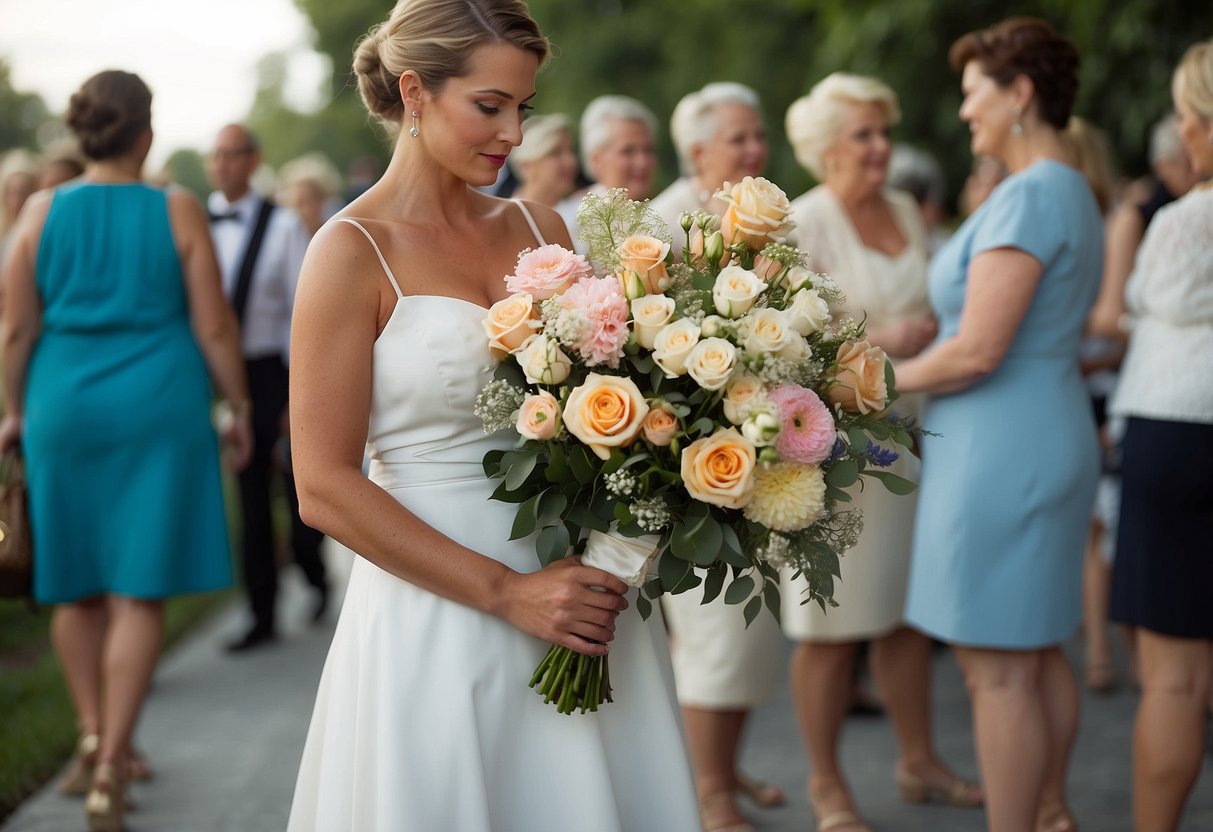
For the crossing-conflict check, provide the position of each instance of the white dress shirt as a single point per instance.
(266, 329)
(1167, 373)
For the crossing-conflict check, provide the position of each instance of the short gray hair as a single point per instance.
(597, 121)
(813, 121)
(539, 137)
(694, 119)
(1165, 142)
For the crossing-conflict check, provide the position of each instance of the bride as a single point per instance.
(423, 719)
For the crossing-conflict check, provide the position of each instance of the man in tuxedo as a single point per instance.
(260, 248)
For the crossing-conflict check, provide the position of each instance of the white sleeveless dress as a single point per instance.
(423, 719)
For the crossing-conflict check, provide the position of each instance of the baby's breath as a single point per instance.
(622, 484)
(651, 514)
(497, 405)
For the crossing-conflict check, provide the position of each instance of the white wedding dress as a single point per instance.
(423, 719)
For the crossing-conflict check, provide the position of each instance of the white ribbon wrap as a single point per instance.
(630, 559)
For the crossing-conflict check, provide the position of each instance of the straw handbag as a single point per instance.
(16, 544)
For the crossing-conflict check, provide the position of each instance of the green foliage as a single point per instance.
(24, 113)
(188, 169)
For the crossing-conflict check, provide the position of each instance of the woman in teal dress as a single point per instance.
(1009, 468)
(113, 315)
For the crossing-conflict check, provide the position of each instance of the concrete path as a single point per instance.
(225, 735)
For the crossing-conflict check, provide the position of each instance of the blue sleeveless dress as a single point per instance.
(1009, 479)
(121, 458)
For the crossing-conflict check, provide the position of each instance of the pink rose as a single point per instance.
(807, 433)
(547, 271)
(660, 425)
(539, 416)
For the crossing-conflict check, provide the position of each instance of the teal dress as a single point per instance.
(121, 458)
(1009, 474)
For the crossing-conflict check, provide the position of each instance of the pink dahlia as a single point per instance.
(807, 433)
(601, 309)
(547, 271)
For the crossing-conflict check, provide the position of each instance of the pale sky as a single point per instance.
(198, 56)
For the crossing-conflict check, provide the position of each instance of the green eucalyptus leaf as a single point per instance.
(521, 468)
(579, 460)
(895, 484)
(644, 606)
(741, 589)
(526, 519)
(552, 543)
(752, 609)
(671, 569)
(843, 473)
(771, 595)
(714, 582)
(492, 463)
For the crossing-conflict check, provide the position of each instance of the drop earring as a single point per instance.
(413, 131)
(1016, 128)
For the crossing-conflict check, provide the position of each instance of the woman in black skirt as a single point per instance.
(1163, 580)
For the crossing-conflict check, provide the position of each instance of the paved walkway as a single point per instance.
(225, 735)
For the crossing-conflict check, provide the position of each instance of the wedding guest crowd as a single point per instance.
(1031, 516)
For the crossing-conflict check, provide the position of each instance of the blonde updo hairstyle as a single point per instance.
(813, 121)
(109, 112)
(435, 39)
(694, 120)
(1195, 78)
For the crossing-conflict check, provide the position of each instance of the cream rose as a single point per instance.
(740, 397)
(713, 326)
(757, 213)
(511, 322)
(768, 332)
(543, 361)
(719, 469)
(859, 382)
(795, 349)
(761, 427)
(798, 278)
(735, 290)
(808, 312)
(645, 257)
(711, 362)
(605, 412)
(650, 313)
(660, 425)
(539, 416)
(673, 344)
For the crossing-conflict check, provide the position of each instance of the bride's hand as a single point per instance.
(566, 603)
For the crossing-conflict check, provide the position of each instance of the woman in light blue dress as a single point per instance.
(1009, 469)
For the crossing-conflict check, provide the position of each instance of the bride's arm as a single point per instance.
(337, 312)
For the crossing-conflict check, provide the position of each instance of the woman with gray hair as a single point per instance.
(618, 150)
(871, 239)
(545, 163)
(720, 137)
(722, 669)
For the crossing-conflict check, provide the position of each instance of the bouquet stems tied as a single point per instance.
(572, 680)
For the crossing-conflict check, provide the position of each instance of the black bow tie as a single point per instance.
(220, 217)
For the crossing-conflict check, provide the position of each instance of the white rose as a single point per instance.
(769, 332)
(742, 395)
(543, 361)
(713, 326)
(673, 344)
(808, 312)
(761, 427)
(795, 349)
(711, 362)
(735, 291)
(651, 313)
(797, 278)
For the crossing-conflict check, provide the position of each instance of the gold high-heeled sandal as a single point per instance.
(79, 779)
(960, 793)
(718, 814)
(106, 801)
(763, 795)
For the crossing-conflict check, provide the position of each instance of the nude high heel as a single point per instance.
(79, 778)
(106, 802)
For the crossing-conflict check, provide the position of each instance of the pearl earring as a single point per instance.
(413, 131)
(1017, 128)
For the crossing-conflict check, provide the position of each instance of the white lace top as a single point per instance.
(1168, 371)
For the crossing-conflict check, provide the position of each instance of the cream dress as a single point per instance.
(874, 574)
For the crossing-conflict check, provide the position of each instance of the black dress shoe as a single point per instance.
(256, 637)
(321, 605)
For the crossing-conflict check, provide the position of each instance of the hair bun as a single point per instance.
(109, 112)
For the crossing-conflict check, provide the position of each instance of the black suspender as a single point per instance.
(245, 276)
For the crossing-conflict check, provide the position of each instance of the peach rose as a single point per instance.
(511, 322)
(660, 425)
(766, 268)
(649, 314)
(719, 469)
(711, 362)
(539, 416)
(605, 412)
(740, 397)
(735, 291)
(757, 213)
(859, 383)
(710, 248)
(644, 257)
(673, 344)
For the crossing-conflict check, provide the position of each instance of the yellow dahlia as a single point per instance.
(788, 496)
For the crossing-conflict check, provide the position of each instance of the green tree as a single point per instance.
(188, 169)
(24, 113)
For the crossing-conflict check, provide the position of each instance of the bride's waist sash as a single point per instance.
(421, 472)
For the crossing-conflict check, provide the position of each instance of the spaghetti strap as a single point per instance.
(391, 277)
(530, 221)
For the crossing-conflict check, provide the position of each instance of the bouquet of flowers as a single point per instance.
(684, 423)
